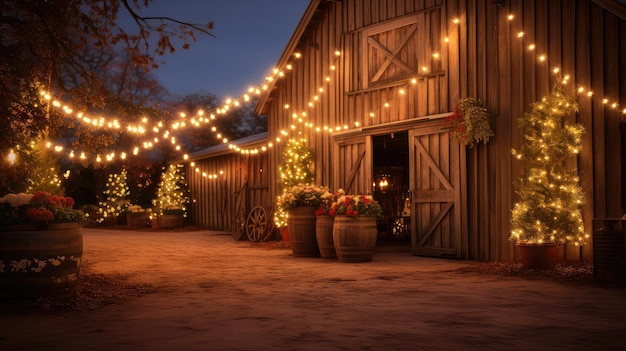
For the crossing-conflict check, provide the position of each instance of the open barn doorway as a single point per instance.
(391, 188)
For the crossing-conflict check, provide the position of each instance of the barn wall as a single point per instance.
(215, 200)
(586, 42)
(482, 58)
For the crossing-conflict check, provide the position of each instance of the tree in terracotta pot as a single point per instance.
(172, 197)
(547, 214)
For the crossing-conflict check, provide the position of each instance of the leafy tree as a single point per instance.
(237, 122)
(64, 46)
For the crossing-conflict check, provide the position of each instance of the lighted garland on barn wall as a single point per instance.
(142, 127)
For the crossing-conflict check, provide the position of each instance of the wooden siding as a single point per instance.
(482, 58)
(214, 200)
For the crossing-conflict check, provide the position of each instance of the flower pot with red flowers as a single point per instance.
(41, 245)
(354, 229)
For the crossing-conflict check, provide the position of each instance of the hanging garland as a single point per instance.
(469, 123)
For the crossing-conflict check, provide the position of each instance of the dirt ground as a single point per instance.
(201, 290)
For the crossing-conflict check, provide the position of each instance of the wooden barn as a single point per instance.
(371, 82)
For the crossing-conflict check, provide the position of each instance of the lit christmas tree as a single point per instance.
(294, 169)
(549, 194)
(116, 196)
(296, 163)
(44, 175)
(173, 192)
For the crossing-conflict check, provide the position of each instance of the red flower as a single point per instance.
(39, 215)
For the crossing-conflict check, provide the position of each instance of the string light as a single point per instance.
(142, 127)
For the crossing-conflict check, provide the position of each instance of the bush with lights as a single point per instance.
(548, 210)
(115, 197)
(173, 192)
(44, 175)
(294, 170)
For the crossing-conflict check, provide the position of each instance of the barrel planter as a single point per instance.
(301, 224)
(170, 221)
(609, 252)
(40, 261)
(324, 236)
(539, 256)
(137, 219)
(354, 238)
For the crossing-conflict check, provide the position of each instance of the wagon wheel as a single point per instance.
(239, 227)
(271, 224)
(256, 223)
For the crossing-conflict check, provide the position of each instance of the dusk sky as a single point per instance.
(250, 37)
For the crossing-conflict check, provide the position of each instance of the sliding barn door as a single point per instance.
(436, 193)
(353, 164)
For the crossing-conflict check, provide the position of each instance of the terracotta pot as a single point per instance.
(354, 238)
(539, 256)
(284, 233)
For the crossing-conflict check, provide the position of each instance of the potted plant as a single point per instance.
(324, 225)
(300, 202)
(41, 245)
(469, 123)
(112, 209)
(137, 216)
(547, 214)
(354, 229)
(172, 198)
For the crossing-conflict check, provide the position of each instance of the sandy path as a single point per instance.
(213, 293)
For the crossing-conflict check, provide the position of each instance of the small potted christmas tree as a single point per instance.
(172, 198)
(113, 208)
(547, 214)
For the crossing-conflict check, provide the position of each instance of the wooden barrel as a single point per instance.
(301, 224)
(40, 261)
(609, 261)
(354, 238)
(324, 236)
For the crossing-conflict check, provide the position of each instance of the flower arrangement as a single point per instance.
(327, 201)
(38, 208)
(302, 195)
(137, 209)
(469, 123)
(356, 206)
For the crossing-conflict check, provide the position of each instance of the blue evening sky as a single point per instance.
(250, 37)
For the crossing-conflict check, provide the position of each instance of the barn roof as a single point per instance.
(222, 149)
(617, 7)
(305, 22)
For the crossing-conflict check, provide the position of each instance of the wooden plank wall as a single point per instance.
(483, 59)
(214, 199)
(586, 42)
